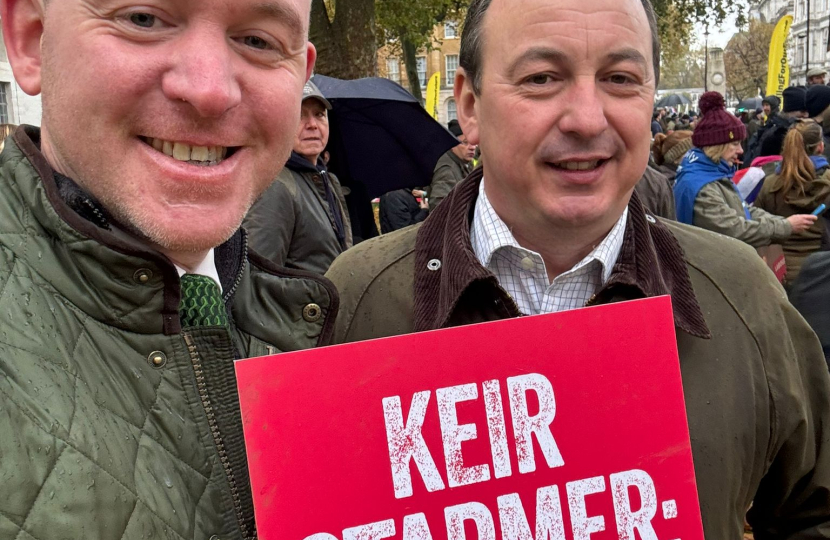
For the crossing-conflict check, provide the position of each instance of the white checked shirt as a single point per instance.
(521, 272)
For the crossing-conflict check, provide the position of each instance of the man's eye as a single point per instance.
(255, 42)
(539, 79)
(620, 79)
(144, 20)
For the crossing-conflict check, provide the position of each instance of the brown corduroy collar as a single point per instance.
(651, 263)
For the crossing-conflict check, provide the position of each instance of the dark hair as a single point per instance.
(471, 41)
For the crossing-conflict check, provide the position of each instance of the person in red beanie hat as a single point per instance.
(704, 192)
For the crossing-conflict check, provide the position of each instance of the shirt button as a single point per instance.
(528, 264)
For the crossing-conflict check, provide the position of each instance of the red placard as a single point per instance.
(556, 427)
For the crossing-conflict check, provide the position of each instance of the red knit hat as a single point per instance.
(717, 126)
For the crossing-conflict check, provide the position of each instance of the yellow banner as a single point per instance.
(778, 76)
(433, 88)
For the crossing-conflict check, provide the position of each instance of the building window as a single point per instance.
(393, 70)
(452, 111)
(5, 92)
(450, 30)
(421, 64)
(452, 65)
(799, 51)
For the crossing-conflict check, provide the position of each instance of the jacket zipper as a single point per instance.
(196, 360)
(230, 292)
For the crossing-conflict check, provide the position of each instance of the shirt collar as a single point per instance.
(205, 268)
(490, 233)
(651, 263)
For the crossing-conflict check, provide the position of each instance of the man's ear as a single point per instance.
(311, 59)
(466, 106)
(23, 32)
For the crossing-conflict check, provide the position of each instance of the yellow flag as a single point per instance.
(433, 88)
(778, 76)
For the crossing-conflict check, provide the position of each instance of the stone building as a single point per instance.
(443, 58)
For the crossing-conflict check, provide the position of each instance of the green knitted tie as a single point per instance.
(202, 303)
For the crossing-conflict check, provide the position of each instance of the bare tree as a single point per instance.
(746, 58)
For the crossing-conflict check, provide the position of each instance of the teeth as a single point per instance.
(199, 153)
(202, 155)
(577, 165)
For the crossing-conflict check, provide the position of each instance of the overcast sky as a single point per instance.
(718, 37)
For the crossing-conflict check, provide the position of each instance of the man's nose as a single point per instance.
(202, 74)
(584, 111)
(311, 123)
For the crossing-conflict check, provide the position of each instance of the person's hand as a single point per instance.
(423, 203)
(801, 222)
(419, 193)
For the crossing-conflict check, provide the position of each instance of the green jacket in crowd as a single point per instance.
(116, 423)
(719, 208)
(292, 223)
(449, 171)
(772, 199)
(656, 193)
(756, 384)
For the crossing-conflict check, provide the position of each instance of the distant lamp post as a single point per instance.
(706, 59)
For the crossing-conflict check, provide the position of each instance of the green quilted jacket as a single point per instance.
(116, 423)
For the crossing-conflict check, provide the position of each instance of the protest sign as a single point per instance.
(563, 426)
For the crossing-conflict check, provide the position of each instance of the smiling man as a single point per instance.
(127, 283)
(301, 220)
(559, 95)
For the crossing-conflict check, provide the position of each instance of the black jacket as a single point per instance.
(399, 209)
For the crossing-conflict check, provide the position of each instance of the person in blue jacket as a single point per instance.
(704, 192)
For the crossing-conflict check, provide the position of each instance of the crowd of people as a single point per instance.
(175, 213)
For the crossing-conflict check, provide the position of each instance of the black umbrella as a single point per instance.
(673, 100)
(381, 138)
(751, 104)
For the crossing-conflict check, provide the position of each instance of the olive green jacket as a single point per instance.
(756, 384)
(773, 199)
(449, 171)
(116, 423)
(292, 225)
(719, 208)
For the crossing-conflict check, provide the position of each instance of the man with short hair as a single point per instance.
(301, 220)
(128, 291)
(559, 95)
(816, 76)
(451, 168)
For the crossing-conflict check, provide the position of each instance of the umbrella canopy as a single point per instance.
(673, 100)
(750, 103)
(381, 139)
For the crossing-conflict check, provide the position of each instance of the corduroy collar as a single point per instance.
(650, 264)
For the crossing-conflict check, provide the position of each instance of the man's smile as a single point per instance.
(205, 156)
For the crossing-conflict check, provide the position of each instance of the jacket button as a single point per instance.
(312, 313)
(157, 359)
(214, 537)
(434, 265)
(650, 219)
(142, 276)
